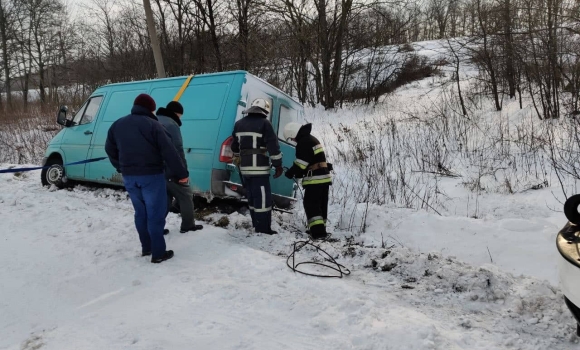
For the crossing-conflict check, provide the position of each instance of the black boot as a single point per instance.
(270, 232)
(168, 255)
(318, 232)
(194, 228)
(165, 231)
(146, 253)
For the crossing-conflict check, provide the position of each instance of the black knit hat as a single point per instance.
(175, 107)
(146, 101)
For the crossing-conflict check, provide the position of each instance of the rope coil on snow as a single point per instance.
(298, 245)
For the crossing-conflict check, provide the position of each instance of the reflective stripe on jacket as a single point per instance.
(255, 135)
(309, 151)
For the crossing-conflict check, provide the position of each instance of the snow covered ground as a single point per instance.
(516, 232)
(475, 269)
(72, 278)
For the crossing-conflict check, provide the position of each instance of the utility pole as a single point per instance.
(154, 40)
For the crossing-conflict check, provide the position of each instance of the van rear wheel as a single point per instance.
(54, 174)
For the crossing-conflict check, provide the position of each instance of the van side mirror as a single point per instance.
(61, 117)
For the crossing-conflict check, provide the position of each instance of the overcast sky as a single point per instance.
(75, 5)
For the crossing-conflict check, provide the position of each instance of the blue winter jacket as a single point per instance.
(172, 123)
(138, 144)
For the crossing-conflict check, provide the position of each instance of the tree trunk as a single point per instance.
(214, 36)
(243, 29)
(5, 53)
(338, 48)
(154, 40)
(509, 50)
(488, 62)
(325, 55)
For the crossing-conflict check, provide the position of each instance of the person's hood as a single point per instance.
(169, 114)
(140, 110)
(304, 131)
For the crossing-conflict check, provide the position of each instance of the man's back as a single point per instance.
(254, 133)
(137, 145)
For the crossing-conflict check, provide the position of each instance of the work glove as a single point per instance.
(236, 160)
(279, 172)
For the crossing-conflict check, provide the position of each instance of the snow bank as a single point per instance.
(77, 282)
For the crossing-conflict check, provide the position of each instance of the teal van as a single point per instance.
(212, 104)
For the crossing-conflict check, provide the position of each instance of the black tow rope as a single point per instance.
(298, 245)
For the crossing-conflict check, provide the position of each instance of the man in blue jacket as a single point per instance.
(170, 118)
(257, 150)
(138, 147)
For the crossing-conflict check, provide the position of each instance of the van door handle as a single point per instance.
(88, 132)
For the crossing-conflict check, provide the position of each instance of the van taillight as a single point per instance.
(226, 153)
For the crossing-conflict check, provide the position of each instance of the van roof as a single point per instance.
(204, 74)
(175, 78)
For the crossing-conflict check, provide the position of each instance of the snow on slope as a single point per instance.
(72, 278)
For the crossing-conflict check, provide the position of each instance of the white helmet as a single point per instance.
(291, 130)
(262, 103)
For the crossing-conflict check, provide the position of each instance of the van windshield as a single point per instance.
(88, 111)
(77, 118)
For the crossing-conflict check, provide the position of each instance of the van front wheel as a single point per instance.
(54, 174)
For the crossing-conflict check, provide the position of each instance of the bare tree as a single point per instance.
(332, 19)
(246, 14)
(207, 12)
(39, 19)
(7, 17)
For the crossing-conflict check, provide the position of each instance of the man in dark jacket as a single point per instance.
(170, 118)
(311, 166)
(138, 147)
(255, 138)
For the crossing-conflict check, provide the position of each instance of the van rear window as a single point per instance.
(287, 115)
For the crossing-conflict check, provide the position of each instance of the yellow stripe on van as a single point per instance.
(182, 89)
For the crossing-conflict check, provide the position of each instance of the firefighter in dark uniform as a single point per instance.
(255, 139)
(311, 166)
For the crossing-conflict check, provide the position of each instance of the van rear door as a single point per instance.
(283, 112)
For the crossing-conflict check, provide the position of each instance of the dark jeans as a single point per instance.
(259, 196)
(184, 196)
(316, 208)
(149, 198)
